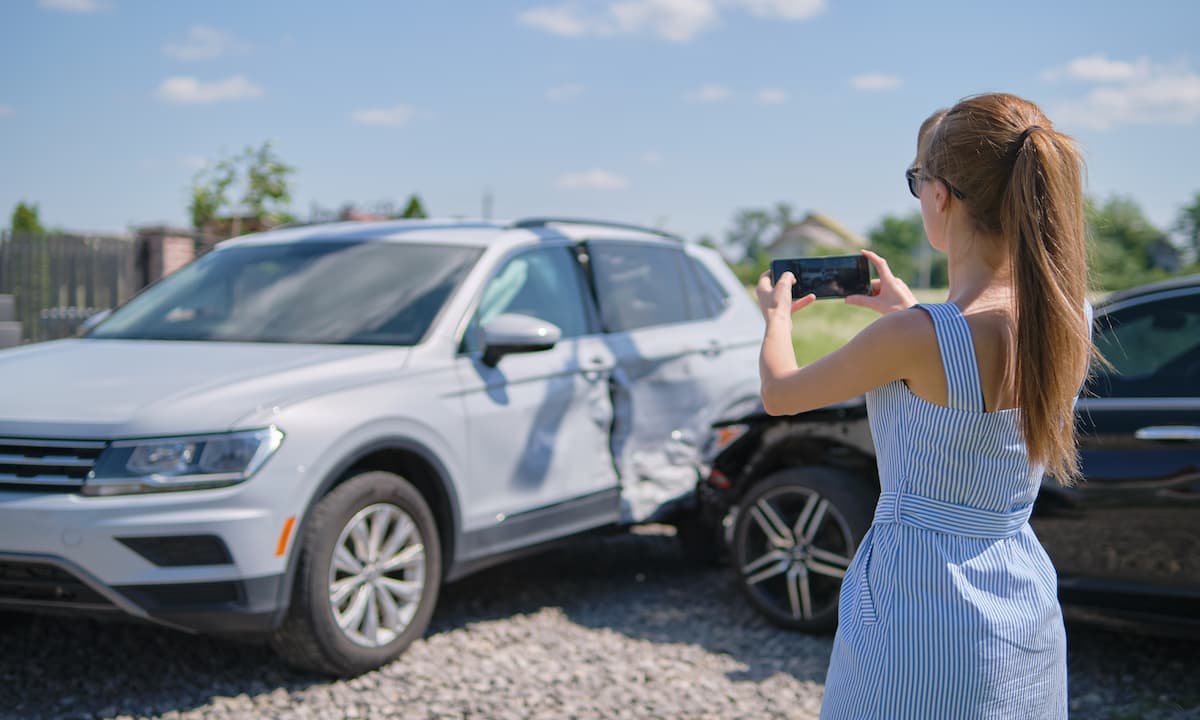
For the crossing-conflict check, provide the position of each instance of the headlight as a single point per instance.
(181, 463)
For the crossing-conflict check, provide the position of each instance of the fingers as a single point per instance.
(881, 265)
(783, 288)
(804, 302)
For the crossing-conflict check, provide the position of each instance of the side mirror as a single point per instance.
(512, 333)
(92, 321)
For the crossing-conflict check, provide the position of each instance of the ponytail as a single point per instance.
(1023, 184)
(1041, 217)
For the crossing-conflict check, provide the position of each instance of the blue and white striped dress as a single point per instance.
(950, 607)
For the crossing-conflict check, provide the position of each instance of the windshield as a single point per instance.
(372, 293)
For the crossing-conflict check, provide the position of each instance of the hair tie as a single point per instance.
(1028, 131)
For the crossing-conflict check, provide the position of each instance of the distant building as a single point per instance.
(816, 234)
(229, 226)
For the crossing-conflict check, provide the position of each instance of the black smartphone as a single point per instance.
(832, 276)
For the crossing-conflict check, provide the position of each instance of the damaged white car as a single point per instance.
(304, 433)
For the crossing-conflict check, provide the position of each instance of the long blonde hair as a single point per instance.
(1022, 181)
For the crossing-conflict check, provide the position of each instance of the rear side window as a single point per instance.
(639, 285)
(1154, 349)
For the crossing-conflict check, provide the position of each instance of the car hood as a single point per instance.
(92, 388)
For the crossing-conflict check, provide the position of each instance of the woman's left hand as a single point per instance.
(777, 299)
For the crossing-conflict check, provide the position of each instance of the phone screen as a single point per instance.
(826, 277)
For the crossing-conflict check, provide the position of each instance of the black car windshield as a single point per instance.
(330, 292)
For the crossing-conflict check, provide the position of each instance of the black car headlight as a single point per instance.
(181, 463)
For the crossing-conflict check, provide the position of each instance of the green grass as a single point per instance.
(826, 325)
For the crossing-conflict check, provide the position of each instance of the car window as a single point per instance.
(1153, 347)
(298, 293)
(545, 283)
(639, 285)
(710, 291)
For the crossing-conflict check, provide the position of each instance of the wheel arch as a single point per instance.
(405, 457)
(806, 445)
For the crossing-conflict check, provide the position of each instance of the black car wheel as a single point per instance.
(795, 535)
(369, 572)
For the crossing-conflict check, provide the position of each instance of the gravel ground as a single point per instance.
(604, 627)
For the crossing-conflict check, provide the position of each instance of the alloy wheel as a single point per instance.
(377, 575)
(794, 552)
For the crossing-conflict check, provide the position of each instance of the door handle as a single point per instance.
(1169, 432)
(713, 349)
(596, 368)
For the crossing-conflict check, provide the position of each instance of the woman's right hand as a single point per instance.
(888, 293)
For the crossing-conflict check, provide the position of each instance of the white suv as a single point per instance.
(303, 433)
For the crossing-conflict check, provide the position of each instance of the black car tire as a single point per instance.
(775, 571)
(310, 637)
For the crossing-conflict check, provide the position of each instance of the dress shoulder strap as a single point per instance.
(963, 387)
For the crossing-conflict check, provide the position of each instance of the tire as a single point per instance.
(795, 583)
(375, 632)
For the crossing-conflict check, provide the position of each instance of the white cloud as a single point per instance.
(204, 43)
(7, 111)
(673, 20)
(1128, 93)
(563, 20)
(709, 94)
(652, 157)
(185, 90)
(772, 96)
(568, 91)
(786, 9)
(1098, 68)
(592, 180)
(395, 116)
(871, 82)
(74, 6)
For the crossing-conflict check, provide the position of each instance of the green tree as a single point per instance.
(1187, 224)
(1127, 249)
(414, 208)
(750, 232)
(901, 241)
(25, 219)
(264, 180)
(210, 193)
(268, 189)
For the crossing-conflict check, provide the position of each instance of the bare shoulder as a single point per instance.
(906, 326)
(909, 338)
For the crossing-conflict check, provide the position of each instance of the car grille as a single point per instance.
(47, 465)
(45, 584)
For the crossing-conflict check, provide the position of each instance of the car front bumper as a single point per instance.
(212, 561)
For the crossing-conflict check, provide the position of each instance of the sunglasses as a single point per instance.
(913, 176)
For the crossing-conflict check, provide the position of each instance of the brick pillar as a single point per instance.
(162, 251)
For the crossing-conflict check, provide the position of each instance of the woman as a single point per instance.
(950, 609)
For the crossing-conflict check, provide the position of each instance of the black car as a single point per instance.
(788, 499)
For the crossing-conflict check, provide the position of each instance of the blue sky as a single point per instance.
(665, 112)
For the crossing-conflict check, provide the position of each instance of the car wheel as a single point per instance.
(367, 580)
(794, 536)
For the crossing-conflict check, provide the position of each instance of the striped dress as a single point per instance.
(949, 608)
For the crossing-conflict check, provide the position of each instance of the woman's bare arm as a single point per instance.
(881, 353)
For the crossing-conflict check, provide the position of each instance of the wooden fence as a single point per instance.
(58, 280)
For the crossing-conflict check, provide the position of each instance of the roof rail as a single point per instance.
(533, 222)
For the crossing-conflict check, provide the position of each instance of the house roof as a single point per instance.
(819, 230)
